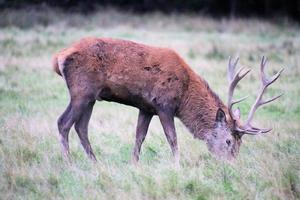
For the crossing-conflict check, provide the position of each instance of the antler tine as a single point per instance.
(255, 131)
(261, 130)
(275, 77)
(262, 70)
(236, 101)
(239, 100)
(233, 79)
(231, 68)
(252, 131)
(270, 100)
(233, 84)
(259, 102)
(263, 75)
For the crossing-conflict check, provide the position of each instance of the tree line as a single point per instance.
(230, 8)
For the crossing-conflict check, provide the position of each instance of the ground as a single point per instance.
(32, 97)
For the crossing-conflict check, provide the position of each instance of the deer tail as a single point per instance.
(55, 65)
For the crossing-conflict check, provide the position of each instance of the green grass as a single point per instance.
(32, 97)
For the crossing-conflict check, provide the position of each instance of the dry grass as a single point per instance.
(32, 97)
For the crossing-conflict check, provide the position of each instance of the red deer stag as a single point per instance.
(158, 82)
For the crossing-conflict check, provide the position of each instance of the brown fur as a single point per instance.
(155, 80)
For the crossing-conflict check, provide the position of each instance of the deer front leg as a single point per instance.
(144, 119)
(167, 121)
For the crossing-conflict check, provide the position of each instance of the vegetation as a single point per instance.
(232, 8)
(32, 97)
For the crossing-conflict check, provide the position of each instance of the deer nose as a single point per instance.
(228, 142)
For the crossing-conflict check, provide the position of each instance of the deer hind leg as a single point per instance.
(141, 132)
(81, 127)
(64, 124)
(167, 121)
(66, 121)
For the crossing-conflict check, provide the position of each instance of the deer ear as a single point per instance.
(220, 116)
(237, 113)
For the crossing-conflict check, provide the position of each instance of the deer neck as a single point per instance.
(199, 107)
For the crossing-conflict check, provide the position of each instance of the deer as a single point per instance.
(156, 81)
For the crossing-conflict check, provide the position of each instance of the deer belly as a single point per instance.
(121, 94)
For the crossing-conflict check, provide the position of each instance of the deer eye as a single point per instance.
(228, 142)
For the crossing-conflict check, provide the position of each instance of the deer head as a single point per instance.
(225, 139)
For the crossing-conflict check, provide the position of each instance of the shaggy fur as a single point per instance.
(155, 80)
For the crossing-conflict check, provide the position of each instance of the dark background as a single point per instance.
(214, 8)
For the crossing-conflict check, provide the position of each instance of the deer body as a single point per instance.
(154, 80)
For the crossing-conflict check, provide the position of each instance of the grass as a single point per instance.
(32, 97)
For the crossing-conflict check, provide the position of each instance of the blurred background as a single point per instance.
(232, 8)
(205, 33)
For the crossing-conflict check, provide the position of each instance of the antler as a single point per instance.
(248, 128)
(234, 79)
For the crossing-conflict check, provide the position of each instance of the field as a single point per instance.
(32, 97)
